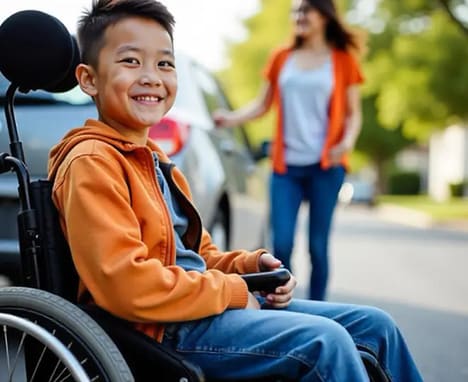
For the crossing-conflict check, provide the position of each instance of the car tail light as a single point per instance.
(170, 134)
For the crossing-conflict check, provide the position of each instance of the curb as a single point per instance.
(418, 219)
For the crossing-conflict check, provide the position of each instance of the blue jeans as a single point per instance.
(308, 341)
(287, 191)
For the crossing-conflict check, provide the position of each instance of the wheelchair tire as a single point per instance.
(83, 337)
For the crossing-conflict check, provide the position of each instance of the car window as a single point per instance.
(215, 98)
(72, 97)
(212, 94)
(188, 99)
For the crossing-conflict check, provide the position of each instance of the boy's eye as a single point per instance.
(130, 60)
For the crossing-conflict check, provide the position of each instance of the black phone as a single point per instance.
(266, 281)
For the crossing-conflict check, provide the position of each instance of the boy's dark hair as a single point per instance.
(104, 13)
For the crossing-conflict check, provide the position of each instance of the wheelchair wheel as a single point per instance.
(14, 328)
(33, 358)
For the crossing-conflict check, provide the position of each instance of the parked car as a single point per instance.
(357, 190)
(228, 186)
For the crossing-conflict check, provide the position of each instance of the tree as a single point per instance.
(380, 145)
(418, 67)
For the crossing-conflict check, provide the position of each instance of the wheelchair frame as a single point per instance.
(84, 342)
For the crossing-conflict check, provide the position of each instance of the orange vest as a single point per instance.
(346, 72)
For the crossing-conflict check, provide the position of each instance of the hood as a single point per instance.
(95, 130)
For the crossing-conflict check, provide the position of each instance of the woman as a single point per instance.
(313, 86)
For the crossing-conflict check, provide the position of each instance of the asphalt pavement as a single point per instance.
(415, 272)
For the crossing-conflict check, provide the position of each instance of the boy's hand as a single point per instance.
(282, 295)
(267, 262)
(252, 303)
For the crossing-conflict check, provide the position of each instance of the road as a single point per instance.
(418, 275)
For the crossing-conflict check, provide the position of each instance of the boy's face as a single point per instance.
(135, 82)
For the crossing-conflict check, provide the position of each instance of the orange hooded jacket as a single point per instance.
(346, 72)
(119, 230)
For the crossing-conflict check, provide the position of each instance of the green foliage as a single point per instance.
(378, 143)
(418, 69)
(404, 183)
(457, 189)
(408, 7)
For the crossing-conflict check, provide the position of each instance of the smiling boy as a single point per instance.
(138, 242)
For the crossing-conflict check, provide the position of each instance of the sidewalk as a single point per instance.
(414, 218)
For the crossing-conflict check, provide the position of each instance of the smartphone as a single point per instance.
(266, 281)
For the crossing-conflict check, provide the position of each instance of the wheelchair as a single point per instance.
(46, 334)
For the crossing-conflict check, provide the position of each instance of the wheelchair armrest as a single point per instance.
(266, 281)
(146, 358)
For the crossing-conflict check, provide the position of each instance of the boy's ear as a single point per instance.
(86, 79)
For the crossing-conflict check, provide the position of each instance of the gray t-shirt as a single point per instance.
(305, 102)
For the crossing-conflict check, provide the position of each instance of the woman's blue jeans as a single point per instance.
(320, 189)
(308, 341)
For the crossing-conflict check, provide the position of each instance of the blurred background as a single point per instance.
(414, 139)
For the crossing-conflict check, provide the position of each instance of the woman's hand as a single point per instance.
(337, 152)
(223, 118)
(255, 109)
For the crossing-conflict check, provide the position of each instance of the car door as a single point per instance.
(246, 180)
(42, 119)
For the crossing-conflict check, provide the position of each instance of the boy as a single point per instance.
(138, 243)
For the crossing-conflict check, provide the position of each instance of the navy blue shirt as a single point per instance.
(185, 258)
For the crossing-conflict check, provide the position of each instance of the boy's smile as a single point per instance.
(135, 82)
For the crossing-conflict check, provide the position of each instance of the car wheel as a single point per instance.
(219, 231)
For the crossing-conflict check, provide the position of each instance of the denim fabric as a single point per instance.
(308, 341)
(287, 191)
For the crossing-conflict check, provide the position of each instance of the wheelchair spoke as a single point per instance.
(7, 353)
(61, 376)
(12, 366)
(38, 362)
(47, 339)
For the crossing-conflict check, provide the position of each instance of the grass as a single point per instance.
(452, 209)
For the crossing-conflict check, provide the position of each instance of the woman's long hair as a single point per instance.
(336, 33)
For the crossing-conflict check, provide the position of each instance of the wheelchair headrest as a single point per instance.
(38, 52)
